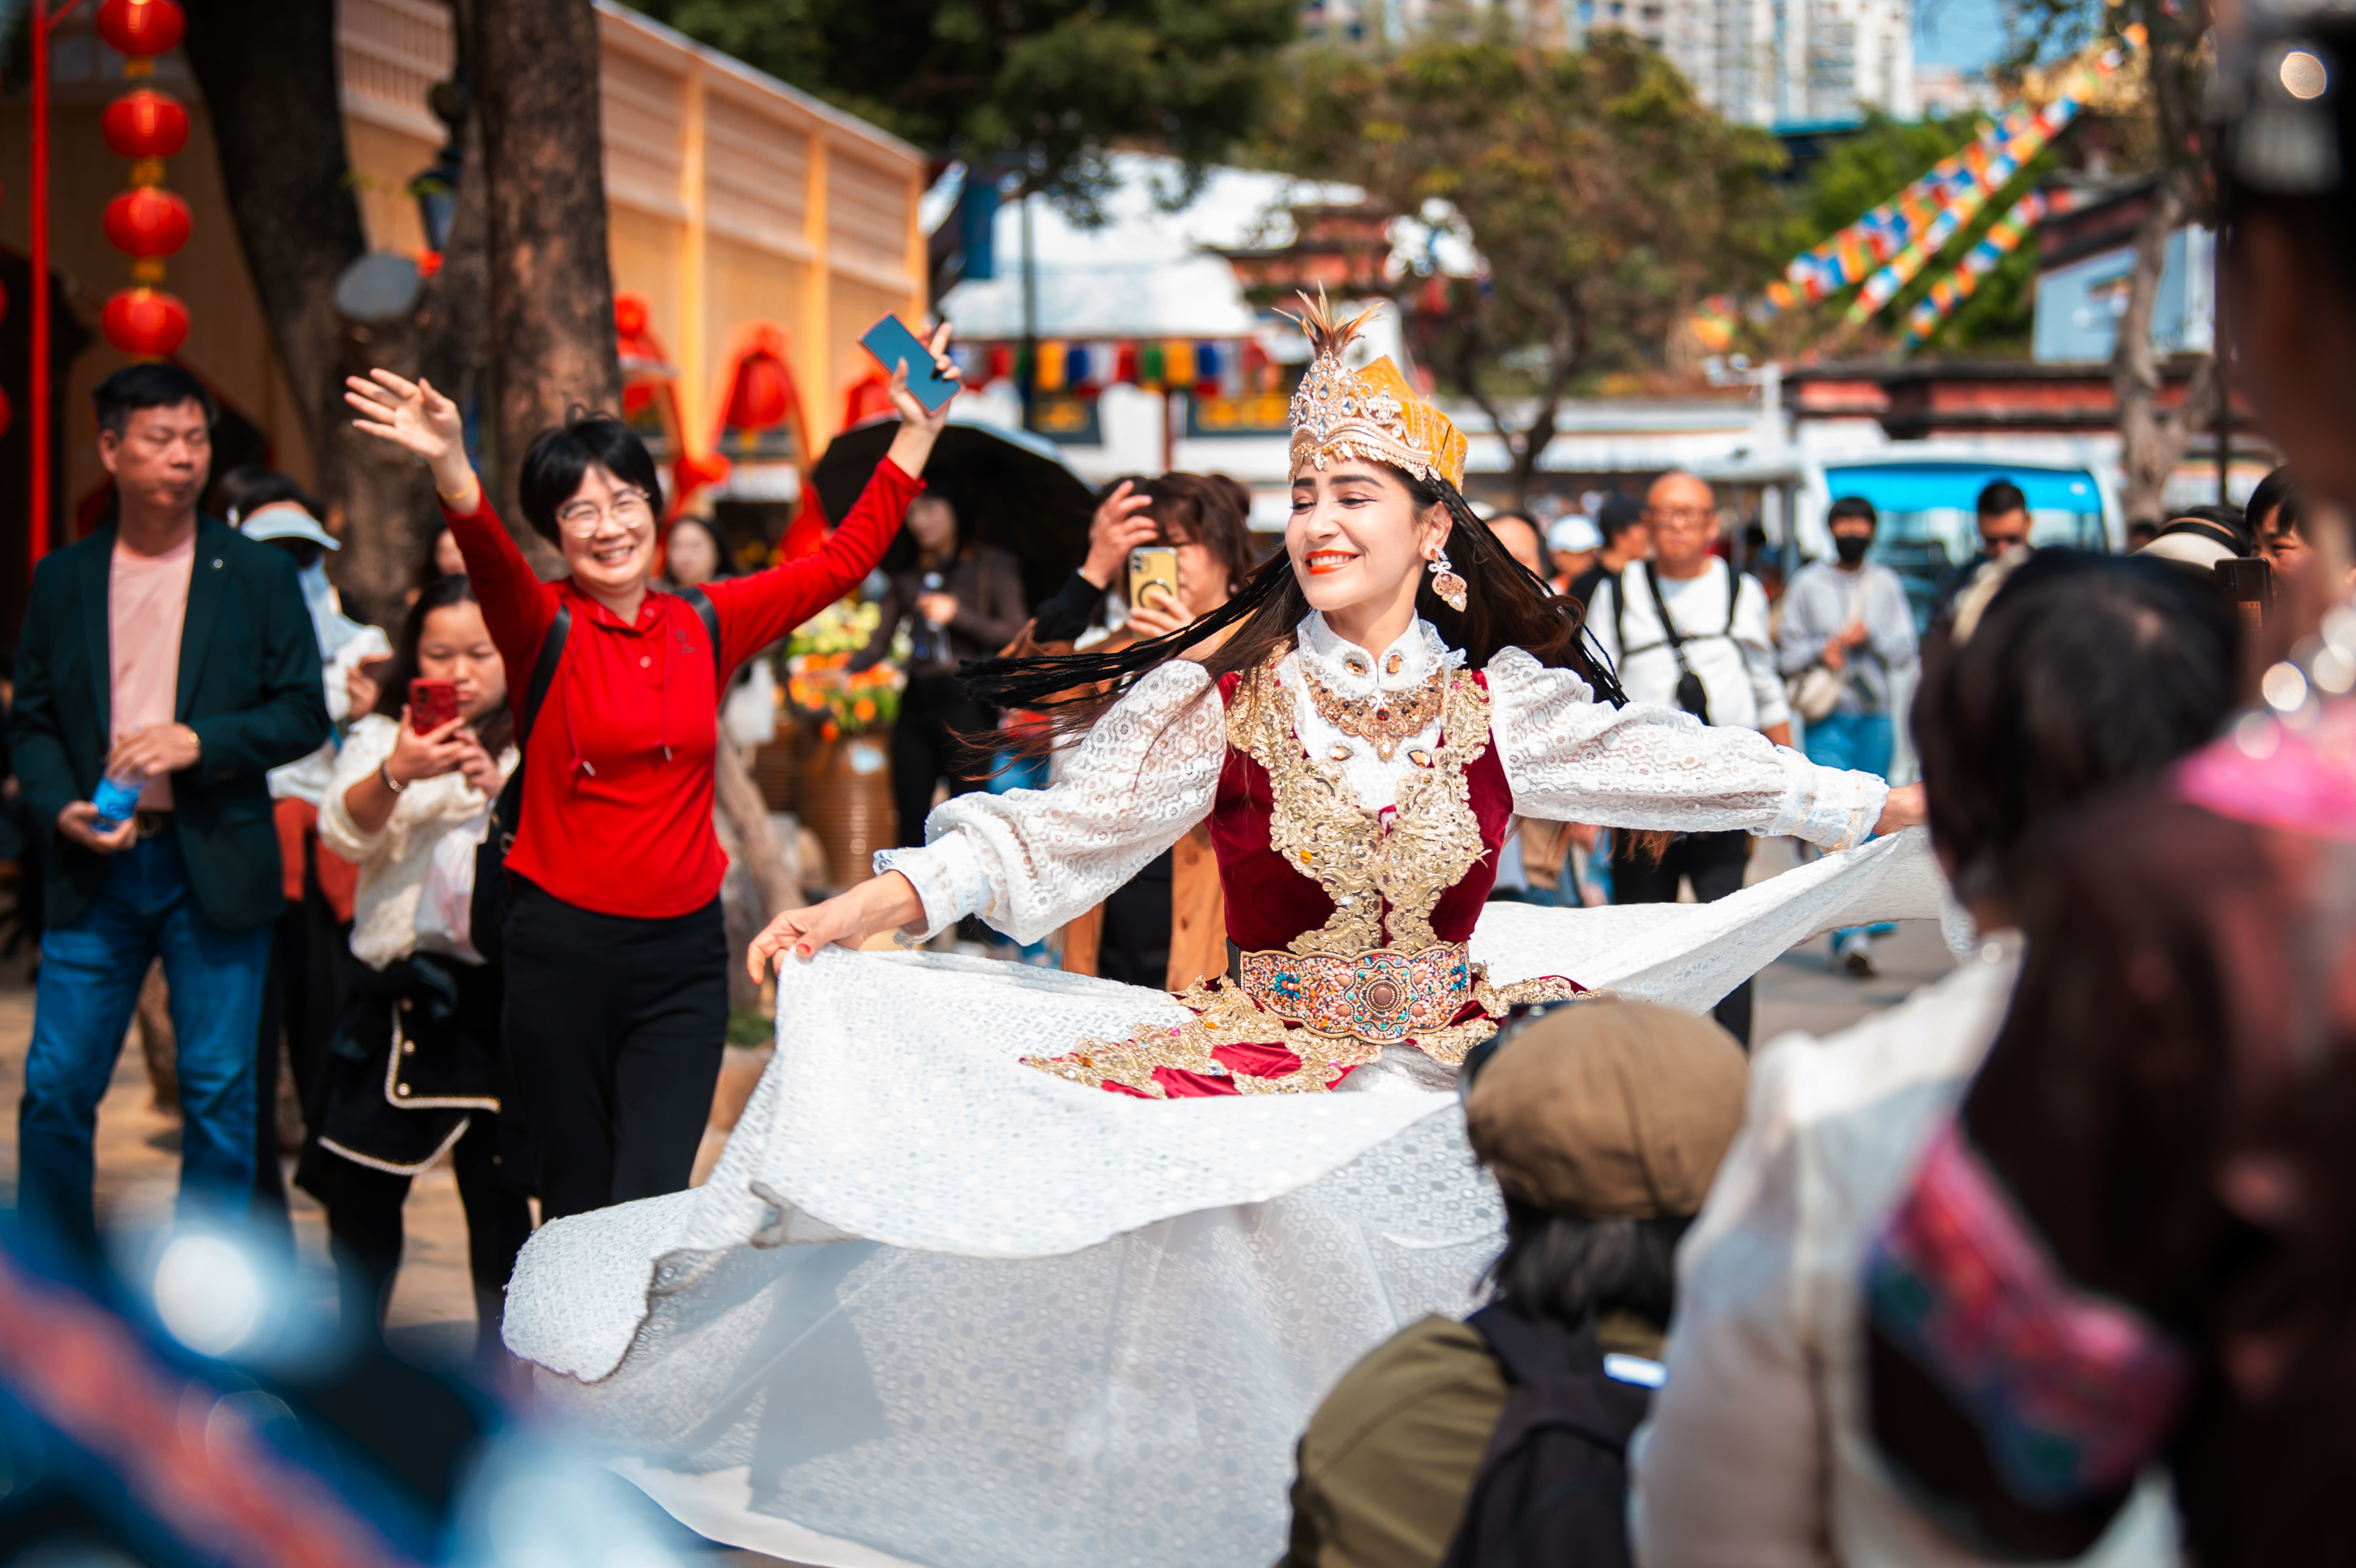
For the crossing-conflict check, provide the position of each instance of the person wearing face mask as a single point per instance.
(1026, 1268)
(613, 945)
(1846, 631)
(299, 995)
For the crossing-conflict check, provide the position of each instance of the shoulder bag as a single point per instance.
(1815, 690)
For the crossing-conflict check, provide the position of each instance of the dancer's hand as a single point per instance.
(849, 918)
(413, 416)
(919, 426)
(1905, 808)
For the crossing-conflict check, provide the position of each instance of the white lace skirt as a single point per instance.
(937, 1306)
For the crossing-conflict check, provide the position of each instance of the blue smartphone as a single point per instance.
(890, 342)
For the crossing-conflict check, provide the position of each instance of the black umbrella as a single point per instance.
(1011, 490)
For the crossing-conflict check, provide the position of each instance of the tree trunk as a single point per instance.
(268, 72)
(534, 68)
(388, 496)
(2151, 444)
(748, 814)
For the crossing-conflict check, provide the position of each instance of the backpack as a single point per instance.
(486, 919)
(1553, 1485)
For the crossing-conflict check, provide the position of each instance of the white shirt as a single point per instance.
(1030, 860)
(1759, 1452)
(1733, 653)
(396, 859)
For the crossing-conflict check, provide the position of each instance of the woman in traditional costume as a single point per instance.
(945, 1300)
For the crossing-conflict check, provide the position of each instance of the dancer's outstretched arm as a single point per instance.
(1572, 758)
(1030, 860)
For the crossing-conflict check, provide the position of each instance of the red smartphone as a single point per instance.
(432, 704)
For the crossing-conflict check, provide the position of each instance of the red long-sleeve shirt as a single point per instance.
(618, 787)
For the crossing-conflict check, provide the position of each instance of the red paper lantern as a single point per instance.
(763, 393)
(146, 124)
(145, 322)
(144, 221)
(629, 314)
(138, 27)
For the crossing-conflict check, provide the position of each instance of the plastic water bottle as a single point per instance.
(116, 798)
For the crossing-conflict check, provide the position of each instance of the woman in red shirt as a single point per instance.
(615, 960)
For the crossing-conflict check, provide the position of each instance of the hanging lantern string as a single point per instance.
(146, 222)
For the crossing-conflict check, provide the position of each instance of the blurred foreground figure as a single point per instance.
(1502, 1439)
(2137, 1243)
(2087, 673)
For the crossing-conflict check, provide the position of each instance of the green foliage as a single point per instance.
(1048, 87)
(1605, 197)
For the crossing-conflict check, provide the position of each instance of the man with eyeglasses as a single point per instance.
(1687, 631)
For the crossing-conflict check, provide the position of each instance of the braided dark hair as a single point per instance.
(1506, 607)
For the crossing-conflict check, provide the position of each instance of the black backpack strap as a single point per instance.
(1668, 629)
(543, 672)
(710, 612)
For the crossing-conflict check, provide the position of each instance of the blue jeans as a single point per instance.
(91, 973)
(1859, 740)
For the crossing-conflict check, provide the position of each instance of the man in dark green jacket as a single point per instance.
(167, 650)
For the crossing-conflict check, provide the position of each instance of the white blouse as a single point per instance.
(394, 861)
(1028, 860)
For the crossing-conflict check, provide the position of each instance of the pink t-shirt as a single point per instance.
(146, 602)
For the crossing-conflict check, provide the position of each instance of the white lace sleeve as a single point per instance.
(1574, 758)
(1030, 860)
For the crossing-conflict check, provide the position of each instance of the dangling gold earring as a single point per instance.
(1444, 581)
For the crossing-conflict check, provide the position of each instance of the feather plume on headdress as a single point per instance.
(1372, 414)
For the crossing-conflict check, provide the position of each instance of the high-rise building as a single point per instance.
(1767, 62)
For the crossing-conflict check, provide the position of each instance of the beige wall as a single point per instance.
(733, 201)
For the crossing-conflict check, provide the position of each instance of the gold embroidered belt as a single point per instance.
(1385, 996)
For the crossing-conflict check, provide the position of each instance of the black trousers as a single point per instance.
(1714, 863)
(1135, 948)
(300, 997)
(925, 749)
(614, 1026)
(364, 1229)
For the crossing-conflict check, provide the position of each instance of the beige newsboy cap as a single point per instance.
(1608, 1108)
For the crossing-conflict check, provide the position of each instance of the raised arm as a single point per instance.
(756, 610)
(1572, 759)
(414, 417)
(1029, 860)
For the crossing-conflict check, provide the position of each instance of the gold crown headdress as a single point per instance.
(1371, 413)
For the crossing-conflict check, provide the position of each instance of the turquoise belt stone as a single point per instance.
(1385, 996)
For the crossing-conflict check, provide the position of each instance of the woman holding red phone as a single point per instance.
(406, 806)
(616, 991)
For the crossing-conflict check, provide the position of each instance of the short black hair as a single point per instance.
(1570, 1269)
(1999, 496)
(153, 384)
(1617, 515)
(246, 489)
(2276, 495)
(560, 455)
(1852, 506)
(2086, 673)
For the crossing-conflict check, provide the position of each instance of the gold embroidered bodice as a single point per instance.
(1375, 972)
(1430, 842)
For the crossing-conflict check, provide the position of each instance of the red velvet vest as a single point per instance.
(1270, 901)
